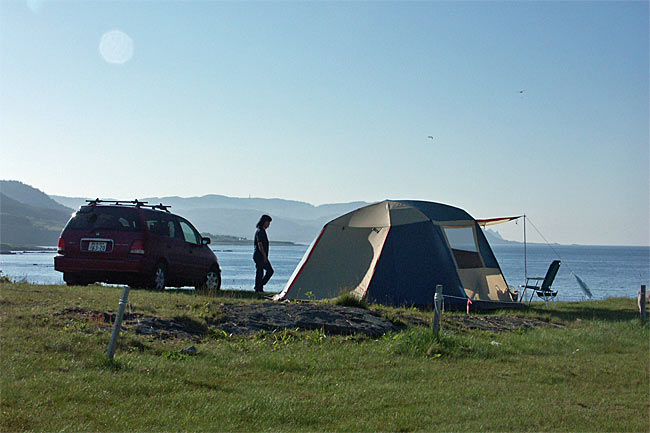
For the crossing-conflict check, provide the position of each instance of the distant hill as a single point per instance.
(293, 221)
(494, 238)
(290, 209)
(31, 196)
(29, 217)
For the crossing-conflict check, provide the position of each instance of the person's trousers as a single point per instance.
(261, 278)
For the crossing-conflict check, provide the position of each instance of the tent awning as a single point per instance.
(493, 221)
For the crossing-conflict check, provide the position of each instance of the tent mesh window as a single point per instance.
(463, 245)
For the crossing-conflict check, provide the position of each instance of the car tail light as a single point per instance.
(61, 247)
(137, 247)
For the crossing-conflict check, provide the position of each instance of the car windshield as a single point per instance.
(105, 218)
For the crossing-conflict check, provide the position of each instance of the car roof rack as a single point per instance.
(135, 203)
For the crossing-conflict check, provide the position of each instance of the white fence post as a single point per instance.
(437, 308)
(642, 304)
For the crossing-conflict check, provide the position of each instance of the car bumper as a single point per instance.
(130, 265)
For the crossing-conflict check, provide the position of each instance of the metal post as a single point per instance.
(437, 308)
(525, 263)
(643, 301)
(118, 322)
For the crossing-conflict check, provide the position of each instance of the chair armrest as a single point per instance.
(546, 292)
(532, 279)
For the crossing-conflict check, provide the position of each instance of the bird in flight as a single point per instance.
(522, 91)
(430, 136)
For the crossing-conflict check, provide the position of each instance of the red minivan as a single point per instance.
(137, 244)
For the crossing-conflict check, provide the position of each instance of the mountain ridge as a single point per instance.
(29, 195)
(24, 224)
(286, 208)
(293, 221)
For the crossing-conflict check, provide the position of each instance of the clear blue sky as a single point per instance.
(331, 102)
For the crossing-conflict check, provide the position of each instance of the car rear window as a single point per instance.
(105, 218)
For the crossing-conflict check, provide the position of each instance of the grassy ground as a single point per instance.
(590, 375)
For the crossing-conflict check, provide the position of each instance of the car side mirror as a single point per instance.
(205, 241)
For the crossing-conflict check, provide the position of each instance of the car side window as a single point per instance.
(178, 233)
(188, 233)
(173, 231)
(156, 226)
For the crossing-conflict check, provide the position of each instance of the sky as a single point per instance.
(534, 107)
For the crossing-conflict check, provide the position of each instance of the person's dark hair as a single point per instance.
(263, 220)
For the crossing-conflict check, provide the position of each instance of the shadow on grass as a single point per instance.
(231, 294)
(243, 294)
(582, 312)
(612, 310)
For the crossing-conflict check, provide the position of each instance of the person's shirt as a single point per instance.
(260, 237)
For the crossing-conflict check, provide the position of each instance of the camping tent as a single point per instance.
(396, 252)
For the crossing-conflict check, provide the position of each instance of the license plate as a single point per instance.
(97, 246)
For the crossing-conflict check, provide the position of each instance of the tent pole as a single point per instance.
(525, 256)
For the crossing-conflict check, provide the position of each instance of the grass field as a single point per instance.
(592, 374)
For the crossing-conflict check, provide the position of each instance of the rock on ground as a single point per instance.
(332, 319)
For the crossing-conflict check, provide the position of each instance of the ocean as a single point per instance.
(609, 271)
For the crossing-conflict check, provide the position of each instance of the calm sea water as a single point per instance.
(608, 271)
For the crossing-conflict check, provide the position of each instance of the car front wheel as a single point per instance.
(211, 282)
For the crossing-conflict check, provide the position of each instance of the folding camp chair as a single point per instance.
(544, 290)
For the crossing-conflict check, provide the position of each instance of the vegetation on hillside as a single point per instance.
(28, 216)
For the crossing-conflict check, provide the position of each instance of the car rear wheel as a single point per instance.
(211, 283)
(158, 277)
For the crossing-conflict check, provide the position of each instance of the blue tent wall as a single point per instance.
(414, 259)
(443, 212)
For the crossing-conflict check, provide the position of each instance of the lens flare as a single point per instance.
(34, 5)
(116, 47)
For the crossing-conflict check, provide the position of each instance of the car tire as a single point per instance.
(211, 283)
(158, 278)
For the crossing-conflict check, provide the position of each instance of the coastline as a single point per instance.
(12, 249)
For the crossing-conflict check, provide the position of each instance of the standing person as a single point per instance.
(261, 254)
